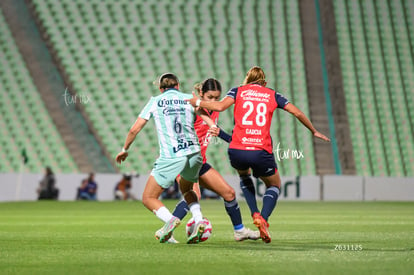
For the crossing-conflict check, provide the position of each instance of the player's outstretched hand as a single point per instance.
(121, 157)
(192, 100)
(214, 131)
(321, 136)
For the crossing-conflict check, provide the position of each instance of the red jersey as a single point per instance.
(253, 109)
(201, 129)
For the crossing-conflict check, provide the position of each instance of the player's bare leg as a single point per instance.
(151, 194)
(150, 199)
(213, 181)
(191, 198)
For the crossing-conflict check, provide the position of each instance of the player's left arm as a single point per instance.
(133, 132)
(206, 117)
(224, 136)
(218, 132)
(304, 120)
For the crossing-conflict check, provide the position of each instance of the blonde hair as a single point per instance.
(255, 75)
(197, 87)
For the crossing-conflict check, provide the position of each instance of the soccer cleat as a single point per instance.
(195, 237)
(263, 227)
(170, 240)
(246, 234)
(167, 230)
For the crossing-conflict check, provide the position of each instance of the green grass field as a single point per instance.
(118, 238)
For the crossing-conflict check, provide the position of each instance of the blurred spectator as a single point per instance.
(123, 188)
(87, 190)
(47, 189)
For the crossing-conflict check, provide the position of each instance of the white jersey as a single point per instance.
(174, 119)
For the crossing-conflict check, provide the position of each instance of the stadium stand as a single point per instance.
(116, 50)
(25, 124)
(377, 67)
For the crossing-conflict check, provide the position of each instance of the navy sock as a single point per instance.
(249, 192)
(233, 210)
(269, 201)
(181, 209)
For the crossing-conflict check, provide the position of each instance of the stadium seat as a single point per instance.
(117, 49)
(25, 120)
(378, 66)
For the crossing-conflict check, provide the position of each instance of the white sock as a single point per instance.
(196, 211)
(163, 214)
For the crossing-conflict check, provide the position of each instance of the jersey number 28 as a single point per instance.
(261, 110)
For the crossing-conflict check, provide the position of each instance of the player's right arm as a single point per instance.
(133, 132)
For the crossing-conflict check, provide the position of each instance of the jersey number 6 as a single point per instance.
(178, 127)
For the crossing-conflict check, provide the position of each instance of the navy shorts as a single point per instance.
(262, 163)
(204, 169)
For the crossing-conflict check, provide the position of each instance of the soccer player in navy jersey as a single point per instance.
(251, 146)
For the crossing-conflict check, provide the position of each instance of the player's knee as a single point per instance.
(145, 200)
(277, 181)
(277, 184)
(273, 180)
(229, 194)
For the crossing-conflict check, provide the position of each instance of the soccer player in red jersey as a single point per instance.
(251, 146)
(210, 178)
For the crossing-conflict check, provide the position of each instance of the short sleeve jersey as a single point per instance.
(253, 109)
(90, 187)
(202, 128)
(174, 118)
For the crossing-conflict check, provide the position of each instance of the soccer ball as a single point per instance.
(207, 232)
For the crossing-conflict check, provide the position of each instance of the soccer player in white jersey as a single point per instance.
(179, 153)
(210, 178)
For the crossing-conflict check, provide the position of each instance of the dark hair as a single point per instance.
(211, 84)
(48, 170)
(168, 80)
